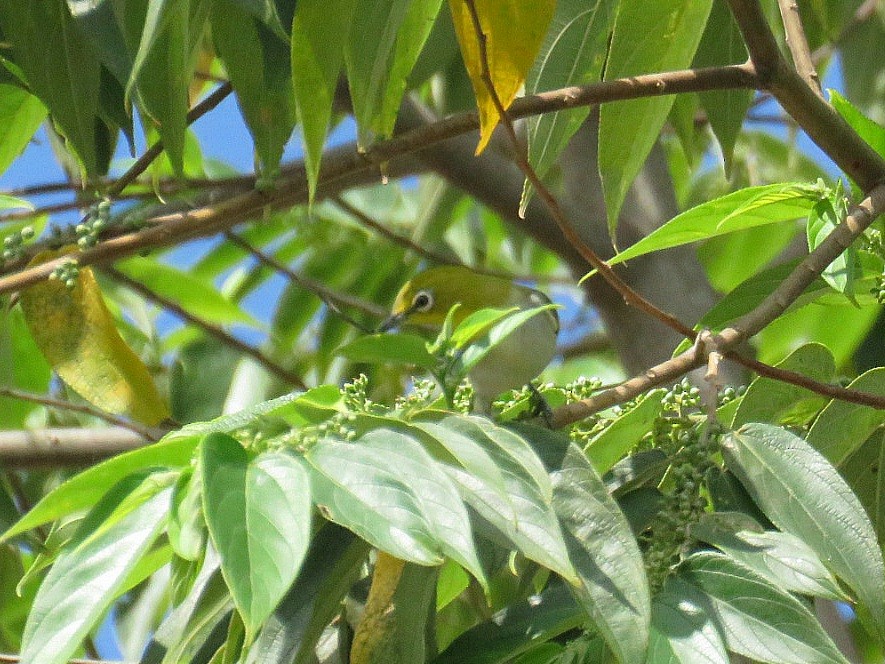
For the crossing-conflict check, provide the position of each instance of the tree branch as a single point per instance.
(43, 448)
(148, 433)
(819, 120)
(350, 162)
(332, 299)
(861, 216)
(798, 45)
(210, 329)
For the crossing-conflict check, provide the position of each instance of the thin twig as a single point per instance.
(149, 433)
(432, 256)
(861, 216)
(816, 117)
(798, 44)
(565, 226)
(350, 162)
(209, 328)
(18, 215)
(332, 299)
(141, 164)
(385, 232)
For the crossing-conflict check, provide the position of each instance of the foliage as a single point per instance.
(308, 494)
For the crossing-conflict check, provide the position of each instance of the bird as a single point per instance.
(425, 300)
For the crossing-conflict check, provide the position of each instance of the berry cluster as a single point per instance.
(14, 244)
(67, 273)
(90, 228)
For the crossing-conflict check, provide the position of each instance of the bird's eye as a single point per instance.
(422, 301)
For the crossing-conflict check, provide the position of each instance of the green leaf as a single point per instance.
(613, 589)
(635, 470)
(503, 480)
(516, 629)
(395, 348)
(21, 114)
(861, 62)
(275, 14)
(862, 471)
(730, 260)
(745, 208)
(870, 131)
(86, 577)
(388, 490)
(70, 93)
(86, 489)
(169, 43)
(648, 37)
(495, 336)
(682, 629)
(611, 444)
(194, 295)
(295, 409)
(257, 63)
(722, 44)
(804, 495)
(258, 512)
(21, 366)
(841, 327)
(573, 53)
(783, 559)
(758, 620)
(823, 219)
(842, 427)
(770, 400)
(382, 46)
(200, 379)
(196, 622)
(319, 31)
(187, 529)
(402, 628)
(332, 565)
(478, 323)
(746, 296)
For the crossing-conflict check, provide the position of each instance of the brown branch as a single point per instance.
(17, 215)
(662, 373)
(819, 120)
(858, 219)
(351, 162)
(798, 45)
(395, 238)
(149, 433)
(861, 216)
(141, 164)
(332, 299)
(65, 447)
(865, 12)
(630, 296)
(209, 328)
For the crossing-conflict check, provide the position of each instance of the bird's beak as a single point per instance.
(391, 322)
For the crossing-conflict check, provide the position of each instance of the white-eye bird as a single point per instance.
(426, 299)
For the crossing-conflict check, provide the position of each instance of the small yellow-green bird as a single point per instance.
(425, 301)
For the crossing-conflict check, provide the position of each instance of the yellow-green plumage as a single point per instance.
(427, 298)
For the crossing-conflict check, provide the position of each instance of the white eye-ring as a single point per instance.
(422, 301)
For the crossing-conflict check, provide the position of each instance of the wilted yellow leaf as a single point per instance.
(76, 333)
(514, 31)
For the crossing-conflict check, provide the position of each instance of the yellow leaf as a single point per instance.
(514, 31)
(75, 332)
